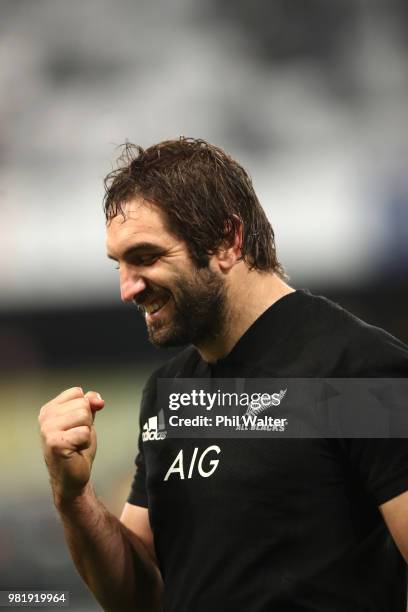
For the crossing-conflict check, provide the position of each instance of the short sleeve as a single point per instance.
(138, 492)
(382, 466)
(380, 463)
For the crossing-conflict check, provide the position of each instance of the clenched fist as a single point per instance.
(69, 439)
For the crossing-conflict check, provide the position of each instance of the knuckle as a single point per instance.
(45, 429)
(54, 441)
(80, 436)
(43, 413)
(84, 415)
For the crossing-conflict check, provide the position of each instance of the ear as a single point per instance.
(229, 253)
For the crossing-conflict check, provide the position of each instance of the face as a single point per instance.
(180, 303)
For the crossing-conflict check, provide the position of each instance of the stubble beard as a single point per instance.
(199, 312)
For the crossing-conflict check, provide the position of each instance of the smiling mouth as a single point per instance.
(155, 306)
(152, 309)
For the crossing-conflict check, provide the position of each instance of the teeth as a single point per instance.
(151, 308)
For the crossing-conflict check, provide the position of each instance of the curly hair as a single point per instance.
(203, 193)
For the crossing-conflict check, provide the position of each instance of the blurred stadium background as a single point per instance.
(311, 96)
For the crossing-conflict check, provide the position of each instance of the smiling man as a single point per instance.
(253, 524)
(180, 302)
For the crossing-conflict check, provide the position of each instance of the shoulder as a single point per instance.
(181, 365)
(367, 350)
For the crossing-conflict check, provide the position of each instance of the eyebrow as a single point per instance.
(144, 247)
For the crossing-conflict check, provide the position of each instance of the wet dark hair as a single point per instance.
(204, 194)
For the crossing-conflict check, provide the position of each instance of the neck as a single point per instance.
(249, 294)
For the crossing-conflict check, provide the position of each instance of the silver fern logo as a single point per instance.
(257, 406)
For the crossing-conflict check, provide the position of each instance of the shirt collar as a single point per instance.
(271, 324)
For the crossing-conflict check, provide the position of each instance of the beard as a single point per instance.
(199, 311)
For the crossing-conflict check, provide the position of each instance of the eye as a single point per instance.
(148, 260)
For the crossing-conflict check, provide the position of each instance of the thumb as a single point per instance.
(95, 400)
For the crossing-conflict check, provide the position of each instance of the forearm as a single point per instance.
(111, 560)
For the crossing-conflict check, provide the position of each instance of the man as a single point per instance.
(232, 524)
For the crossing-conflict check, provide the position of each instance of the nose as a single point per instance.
(131, 284)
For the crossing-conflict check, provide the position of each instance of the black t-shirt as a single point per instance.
(279, 524)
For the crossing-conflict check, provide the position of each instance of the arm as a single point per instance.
(136, 519)
(113, 557)
(395, 514)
